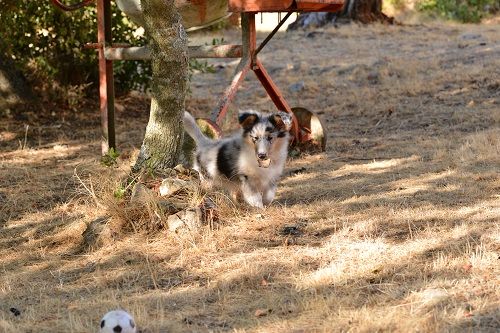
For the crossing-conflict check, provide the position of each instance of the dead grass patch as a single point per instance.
(393, 228)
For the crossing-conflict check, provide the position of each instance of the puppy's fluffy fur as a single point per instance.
(248, 163)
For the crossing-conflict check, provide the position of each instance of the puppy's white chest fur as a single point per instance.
(259, 175)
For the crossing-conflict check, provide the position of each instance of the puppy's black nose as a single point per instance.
(262, 156)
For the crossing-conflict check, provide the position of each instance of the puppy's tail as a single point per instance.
(193, 130)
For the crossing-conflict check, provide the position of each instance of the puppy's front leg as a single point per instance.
(250, 194)
(269, 194)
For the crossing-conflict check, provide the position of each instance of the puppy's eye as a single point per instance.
(254, 139)
(269, 138)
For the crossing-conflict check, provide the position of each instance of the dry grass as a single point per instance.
(393, 228)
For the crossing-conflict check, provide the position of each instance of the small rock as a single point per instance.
(191, 219)
(373, 77)
(169, 207)
(174, 222)
(97, 233)
(170, 186)
(140, 193)
(434, 296)
(298, 66)
(180, 168)
(297, 87)
(470, 36)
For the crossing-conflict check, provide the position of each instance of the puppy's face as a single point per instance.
(262, 131)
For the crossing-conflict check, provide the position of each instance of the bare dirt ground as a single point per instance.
(394, 228)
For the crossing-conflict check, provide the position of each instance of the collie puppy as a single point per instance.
(249, 163)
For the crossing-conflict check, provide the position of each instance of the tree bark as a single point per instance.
(162, 143)
(14, 89)
(364, 11)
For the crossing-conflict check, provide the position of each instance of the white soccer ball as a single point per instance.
(117, 321)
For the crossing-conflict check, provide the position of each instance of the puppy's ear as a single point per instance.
(247, 119)
(281, 120)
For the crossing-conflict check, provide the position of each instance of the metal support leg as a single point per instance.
(276, 96)
(241, 70)
(249, 61)
(106, 84)
(264, 78)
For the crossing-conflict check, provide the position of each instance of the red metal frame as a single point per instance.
(106, 80)
(285, 5)
(249, 61)
(248, 51)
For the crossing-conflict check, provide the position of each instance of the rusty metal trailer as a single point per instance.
(307, 128)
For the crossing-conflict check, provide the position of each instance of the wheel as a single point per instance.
(312, 130)
(209, 128)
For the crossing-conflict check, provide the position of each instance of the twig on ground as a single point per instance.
(89, 190)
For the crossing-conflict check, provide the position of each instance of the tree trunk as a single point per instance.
(364, 11)
(162, 143)
(14, 89)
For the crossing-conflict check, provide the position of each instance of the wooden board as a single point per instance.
(285, 5)
(319, 6)
(258, 5)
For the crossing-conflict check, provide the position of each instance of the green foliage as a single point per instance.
(201, 66)
(119, 193)
(110, 158)
(468, 11)
(49, 42)
(218, 41)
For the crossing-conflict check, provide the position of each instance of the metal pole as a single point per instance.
(106, 84)
(241, 70)
(144, 53)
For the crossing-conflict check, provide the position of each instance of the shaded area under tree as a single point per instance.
(14, 88)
